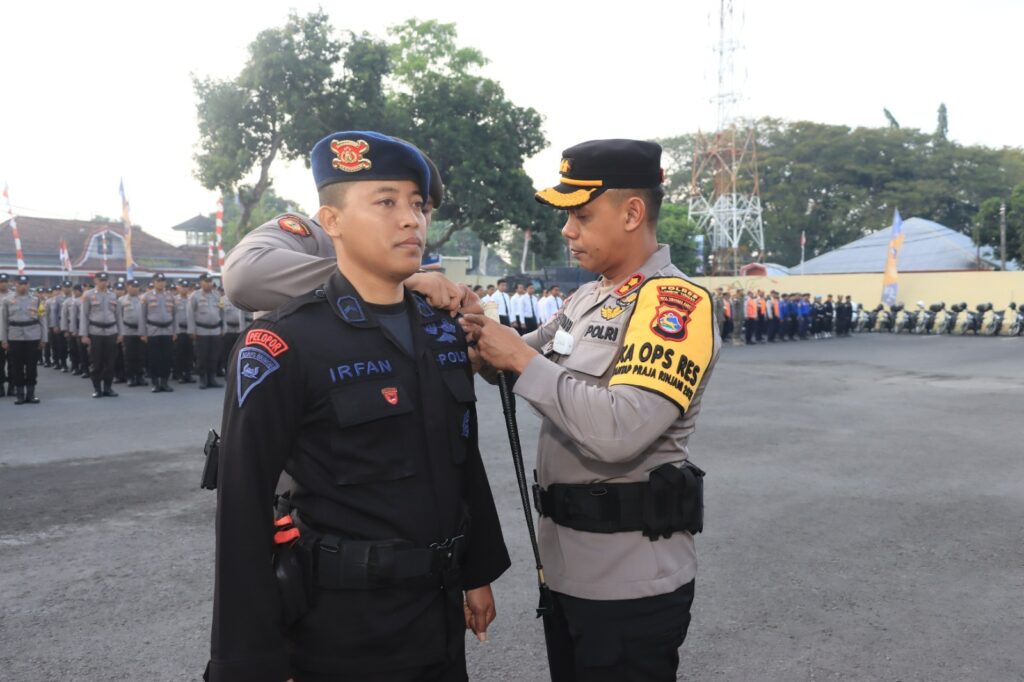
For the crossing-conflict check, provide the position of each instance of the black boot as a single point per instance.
(140, 380)
(10, 390)
(157, 386)
(108, 391)
(20, 393)
(97, 392)
(30, 395)
(213, 383)
(166, 388)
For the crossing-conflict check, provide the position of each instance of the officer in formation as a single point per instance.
(184, 349)
(58, 340)
(131, 320)
(205, 322)
(618, 378)
(69, 328)
(23, 332)
(6, 385)
(100, 331)
(158, 325)
(387, 543)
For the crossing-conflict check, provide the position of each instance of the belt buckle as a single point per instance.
(445, 550)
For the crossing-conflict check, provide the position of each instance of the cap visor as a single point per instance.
(567, 196)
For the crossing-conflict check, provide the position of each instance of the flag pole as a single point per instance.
(220, 234)
(14, 232)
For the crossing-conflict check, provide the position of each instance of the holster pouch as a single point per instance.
(292, 580)
(212, 452)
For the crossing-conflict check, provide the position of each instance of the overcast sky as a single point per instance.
(93, 91)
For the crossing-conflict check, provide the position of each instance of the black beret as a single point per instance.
(590, 168)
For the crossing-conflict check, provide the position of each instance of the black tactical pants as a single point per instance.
(102, 355)
(132, 356)
(628, 640)
(442, 672)
(159, 351)
(183, 356)
(3, 367)
(207, 355)
(23, 358)
(60, 348)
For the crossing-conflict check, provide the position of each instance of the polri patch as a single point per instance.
(254, 365)
(266, 339)
(295, 225)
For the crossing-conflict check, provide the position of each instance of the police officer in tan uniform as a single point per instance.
(158, 327)
(100, 330)
(205, 320)
(131, 319)
(184, 349)
(23, 332)
(618, 377)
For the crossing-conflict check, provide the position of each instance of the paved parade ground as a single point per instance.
(864, 506)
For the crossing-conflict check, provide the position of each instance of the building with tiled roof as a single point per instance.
(40, 244)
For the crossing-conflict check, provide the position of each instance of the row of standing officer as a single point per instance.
(100, 333)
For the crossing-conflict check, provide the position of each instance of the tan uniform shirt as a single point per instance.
(277, 262)
(621, 403)
(20, 319)
(131, 314)
(69, 316)
(181, 314)
(234, 317)
(100, 315)
(203, 313)
(158, 314)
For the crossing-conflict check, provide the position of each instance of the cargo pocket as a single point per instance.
(376, 433)
(461, 424)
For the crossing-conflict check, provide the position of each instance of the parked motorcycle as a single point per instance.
(926, 318)
(952, 318)
(906, 320)
(974, 318)
(994, 321)
(1014, 324)
(873, 318)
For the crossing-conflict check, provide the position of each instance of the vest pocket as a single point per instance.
(377, 432)
(461, 422)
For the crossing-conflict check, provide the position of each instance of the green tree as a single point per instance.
(269, 206)
(273, 107)
(677, 230)
(987, 222)
(942, 127)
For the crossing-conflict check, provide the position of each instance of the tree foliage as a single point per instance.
(419, 84)
(677, 230)
(839, 183)
(987, 222)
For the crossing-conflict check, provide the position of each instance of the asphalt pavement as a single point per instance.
(864, 506)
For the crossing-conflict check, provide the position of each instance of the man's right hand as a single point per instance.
(144, 339)
(85, 340)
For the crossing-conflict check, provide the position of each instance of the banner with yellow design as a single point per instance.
(670, 340)
(892, 258)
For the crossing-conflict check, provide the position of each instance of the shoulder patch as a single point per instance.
(295, 225)
(669, 341)
(266, 339)
(254, 365)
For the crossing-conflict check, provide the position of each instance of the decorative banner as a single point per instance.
(209, 256)
(889, 283)
(14, 231)
(65, 257)
(220, 234)
(129, 262)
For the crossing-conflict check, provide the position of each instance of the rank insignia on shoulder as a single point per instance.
(630, 285)
(295, 225)
(610, 312)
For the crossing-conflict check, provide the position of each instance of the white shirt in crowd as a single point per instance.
(524, 306)
(502, 300)
(548, 307)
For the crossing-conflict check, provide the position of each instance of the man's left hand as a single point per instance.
(479, 611)
(498, 345)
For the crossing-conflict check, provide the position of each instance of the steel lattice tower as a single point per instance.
(724, 197)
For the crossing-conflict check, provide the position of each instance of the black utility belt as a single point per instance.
(102, 325)
(23, 323)
(159, 325)
(182, 326)
(233, 326)
(366, 565)
(207, 326)
(670, 501)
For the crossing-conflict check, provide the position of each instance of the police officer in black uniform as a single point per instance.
(363, 393)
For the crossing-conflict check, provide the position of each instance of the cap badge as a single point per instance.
(565, 166)
(350, 155)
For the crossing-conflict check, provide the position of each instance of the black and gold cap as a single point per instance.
(590, 168)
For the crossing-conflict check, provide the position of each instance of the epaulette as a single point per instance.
(318, 295)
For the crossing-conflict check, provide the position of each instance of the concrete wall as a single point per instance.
(971, 286)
